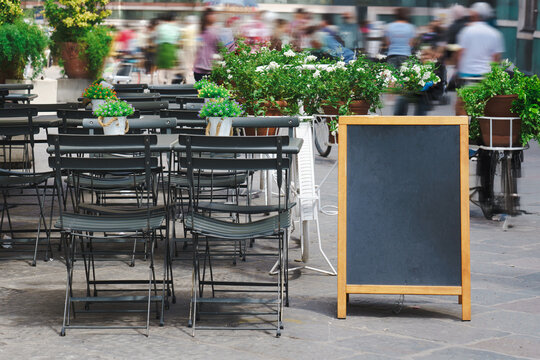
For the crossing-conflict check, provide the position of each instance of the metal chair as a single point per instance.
(16, 184)
(204, 227)
(83, 233)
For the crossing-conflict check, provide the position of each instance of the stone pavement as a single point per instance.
(505, 304)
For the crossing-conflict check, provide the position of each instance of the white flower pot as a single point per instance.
(219, 126)
(96, 103)
(117, 127)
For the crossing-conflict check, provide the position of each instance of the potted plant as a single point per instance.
(112, 116)
(218, 112)
(97, 93)
(501, 95)
(22, 43)
(210, 90)
(78, 37)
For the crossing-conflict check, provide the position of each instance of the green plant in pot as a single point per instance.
(21, 43)
(501, 95)
(351, 89)
(219, 112)
(97, 93)
(78, 37)
(210, 90)
(112, 116)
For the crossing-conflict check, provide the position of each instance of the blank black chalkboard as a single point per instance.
(403, 205)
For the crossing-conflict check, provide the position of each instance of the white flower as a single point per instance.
(264, 48)
(422, 83)
(426, 76)
(360, 69)
(406, 78)
(228, 71)
(310, 58)
(340, 65)
(289, 53)
(330, 69)
(437, 79)
(229, 77)
(220, 63)
(381, 56)
(259, 69)
(317, 73)
(216, 57)
(273, 65)
(352, 61)
(417, 69)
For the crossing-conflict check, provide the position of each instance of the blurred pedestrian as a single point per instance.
(280, 37)
(227, 33)
(297, 30)
(332, 43)
(400, 36)
(167, 39)
(150, 49)
(350, 32)
(480, 44)
(208, 45)
(256, 30)
(461, 18)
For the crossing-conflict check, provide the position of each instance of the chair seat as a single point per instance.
(120, 209)
(241, 209)
(127, 222)
(212, 227)
(109, 182)
(205, 181)
(23, 179)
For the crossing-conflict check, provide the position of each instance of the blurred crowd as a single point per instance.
(176, 50)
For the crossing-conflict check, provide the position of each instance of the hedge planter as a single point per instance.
(74, 66)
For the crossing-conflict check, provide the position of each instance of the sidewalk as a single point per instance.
(505, 303)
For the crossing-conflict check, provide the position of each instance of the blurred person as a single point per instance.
(124, 40)
(399, 37)
(256, 31)
(331, 42)
(297, 30)
(365, 28)
(350, 32)
(460, 15)
(480, 44)
(227, 37)
(280, 36)
(208, 45)
(167, 39)
(150, 49)
(189, 45)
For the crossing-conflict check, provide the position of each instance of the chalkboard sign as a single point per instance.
(403, 207)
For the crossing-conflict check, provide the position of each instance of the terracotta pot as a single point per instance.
(500, 106)
(357, 107)
(501, 132)
(460, 107)
(74, 66)
(271, 111)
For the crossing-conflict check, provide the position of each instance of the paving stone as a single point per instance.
(457, 353)
(387, 345)
(524, 346)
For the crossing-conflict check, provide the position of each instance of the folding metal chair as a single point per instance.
(200, 219)
(18, 185)
(83, 233)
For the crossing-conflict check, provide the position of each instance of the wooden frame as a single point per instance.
(464, 291)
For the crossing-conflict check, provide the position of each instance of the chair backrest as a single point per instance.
(181, 114)
(289, 122)
(149, 107)
(130, 88)
(66, 115)
(83, 155)
(164, 124)
(46, 107)
(174, 89)
(248, 145)
(138, 97)
(190, 102)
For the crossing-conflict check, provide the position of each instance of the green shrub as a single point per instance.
(21, 43)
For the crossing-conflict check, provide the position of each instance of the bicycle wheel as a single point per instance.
(320, 136)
